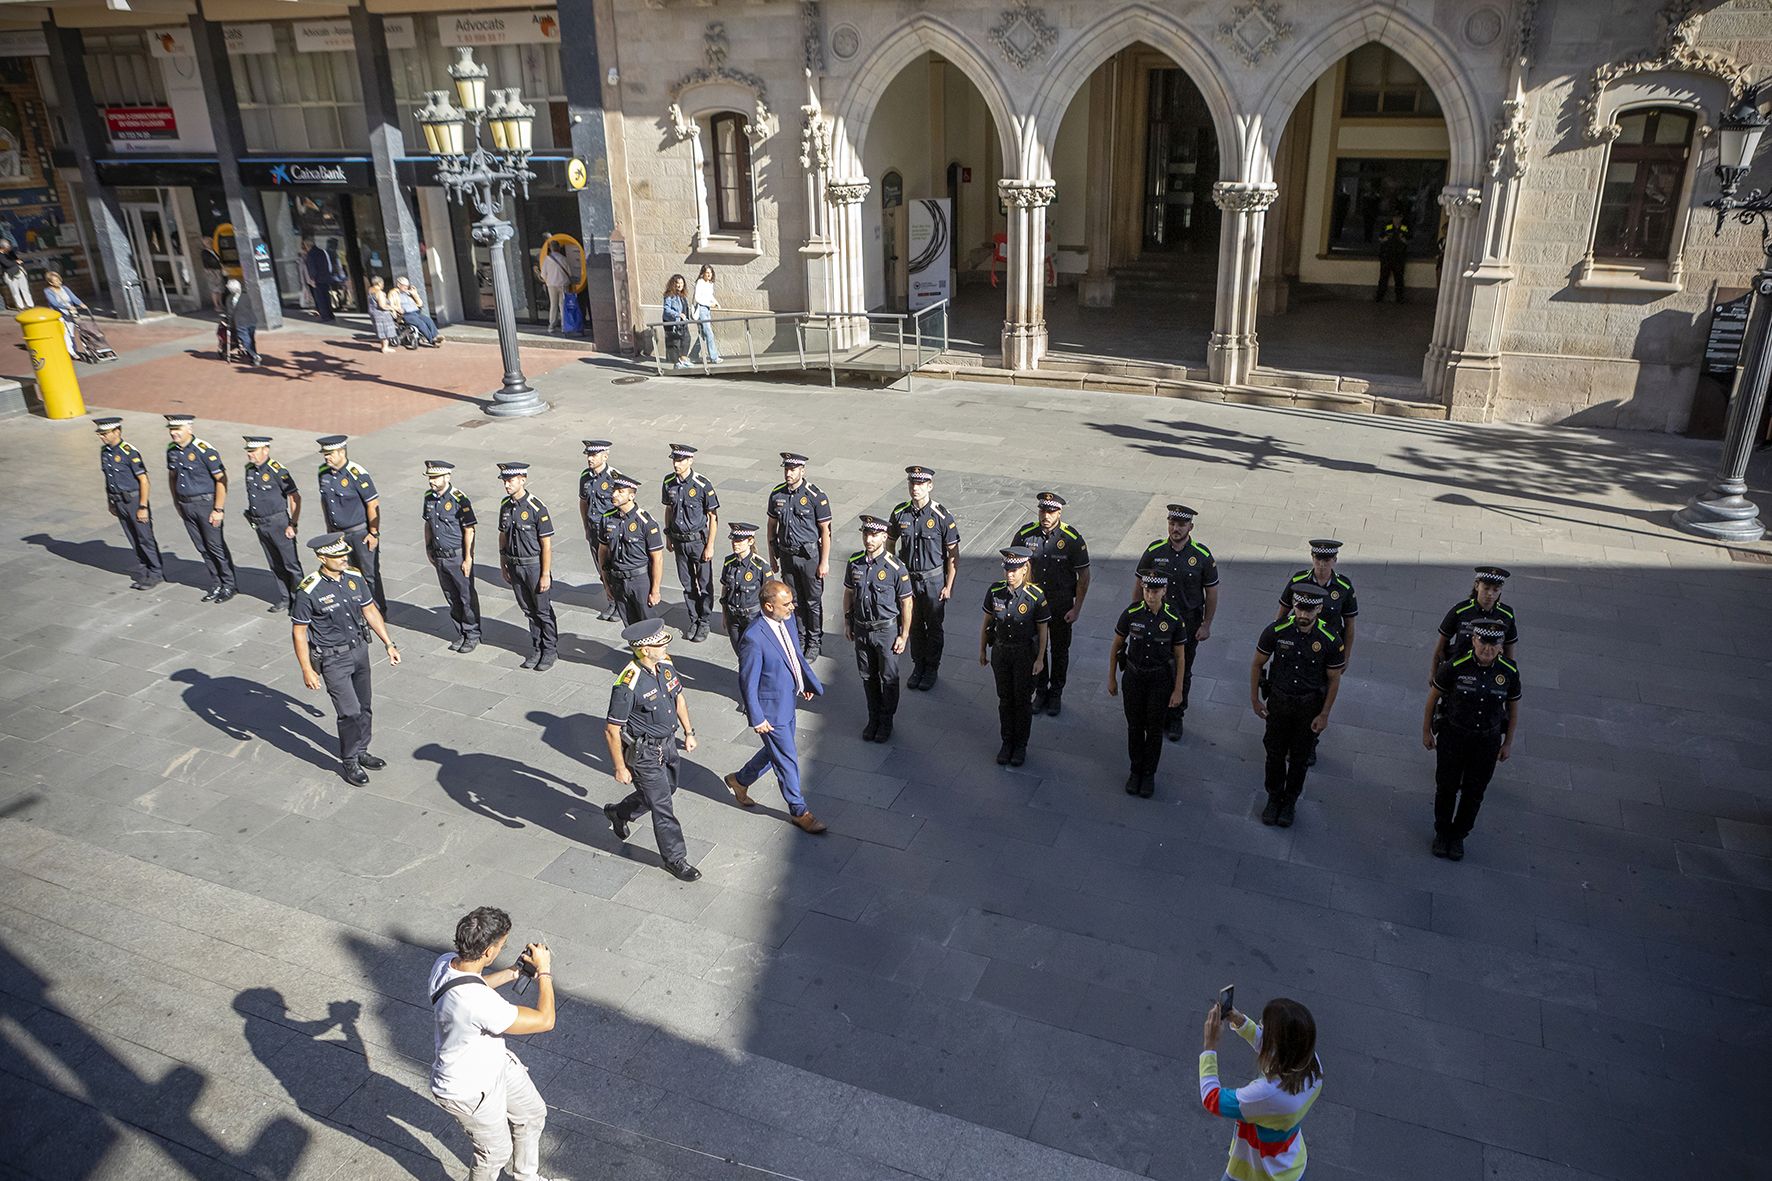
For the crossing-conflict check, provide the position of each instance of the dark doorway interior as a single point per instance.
(1181, 162)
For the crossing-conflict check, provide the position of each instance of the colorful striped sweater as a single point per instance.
(1268, 1145)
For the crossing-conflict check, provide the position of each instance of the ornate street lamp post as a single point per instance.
(1723, 511)
(486, 177)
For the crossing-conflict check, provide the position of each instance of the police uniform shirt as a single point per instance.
(631, 536)
(268, 489)
(121, 464)
(1150, 636)
(193, 469)
(1302, 657)
(332, 608)
(797, 513)
(598, 493)
(1338, 598)
(1476, 697)
(448, 513)
(741, 582)
(1456, 627)
(1190, 570)
(691, 500)
(523, 522)
(923, 537)
(1058, 558)
(878, 584)
(644, 704)
(345, 495)
(1018, 613)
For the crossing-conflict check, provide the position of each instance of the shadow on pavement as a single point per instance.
(246, 710)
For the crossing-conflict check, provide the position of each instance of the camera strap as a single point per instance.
(449, 984)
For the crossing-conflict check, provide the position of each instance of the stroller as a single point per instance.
(86, 340)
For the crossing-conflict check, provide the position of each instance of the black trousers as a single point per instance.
(1288, 742)
(1187, 674)
(696, 576)
(1464, 762)
(460, 592)
(628, 592)
(800, 571)
(1390, 270)
(346, 673)
(368, 563)
(737, 624)
(654, 764)
(1145, 695)
(323, 302)
(209, 539)
(878, 665)
(928, 617)
(280, 552)
(1058, 652)
(1013, 664)
(537, 605)
(140, 535)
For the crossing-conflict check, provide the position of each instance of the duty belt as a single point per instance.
(264, 518)
(446, 553)
(875, 625)
(1160, 666)
(625, 574)
(745, 613)
(523, 561)
(686, 534)
(336, 649)
(363, 528)
(195, 496)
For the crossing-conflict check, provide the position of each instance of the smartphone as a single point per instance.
(1226, 996)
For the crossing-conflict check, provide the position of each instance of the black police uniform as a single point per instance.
(1190, 571)
(1472, 722)
(795, 515)
(1393, 257)
(1339, 605)
(522, 523)
(644, 705)
(1015, 616)
(1456, 627)
(1297, 685)
(881, 588)
(741, 587)
(596, 493)
(268, 489)
(122, 464)
(191, 473)
(688, 504)
(1060, 557)
(923, 538)
(338, 646)
(344, 496)
(632, 537)
(1147, 661)
(447, 516)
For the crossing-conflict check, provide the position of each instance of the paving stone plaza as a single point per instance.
(214, 950)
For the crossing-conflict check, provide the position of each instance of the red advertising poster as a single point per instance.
(135, 123)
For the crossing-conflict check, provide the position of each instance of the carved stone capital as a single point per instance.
(1460, 202)
(851, 191)
(1027, 194)
(1239, 197)
(815, 140)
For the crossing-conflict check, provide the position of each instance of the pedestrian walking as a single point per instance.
(198, 481)
(1268, 1145)
(646, 706)
(1191, 576)
(126, 495)
(632, 554)
(742, 575)
(330, 622)
(877, 619)
(1340, 605)
(273, 509)
(450, 528)
(352, 506)
(238, 321)
(1473, 709)
(381, 314)
(12, 269)
(800, 545)
(595, 498)
(526, 559)
(692, 521)
(324, 272)
(1150, 645)
(1483, 606)
(1013, 640)
(1295, 696)
(675, 303)
(774, 676)
(704, 304)
(928, 541)
(1061, 571)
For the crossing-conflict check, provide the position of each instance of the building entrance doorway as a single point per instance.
(156, 241)
(1180, 164)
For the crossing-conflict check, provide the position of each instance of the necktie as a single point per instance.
(787, 646)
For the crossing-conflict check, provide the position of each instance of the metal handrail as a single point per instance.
(830, 321)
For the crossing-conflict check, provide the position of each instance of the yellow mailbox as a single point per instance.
(46, 337)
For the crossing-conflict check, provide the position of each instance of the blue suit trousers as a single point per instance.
(780, 753)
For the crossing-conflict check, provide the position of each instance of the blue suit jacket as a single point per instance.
(766, 680)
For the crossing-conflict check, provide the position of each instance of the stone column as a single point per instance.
(606, 261)
(387, 143)
(819, 251)
(1024, 319)
(1458, 288)
(1233, 351)
(1096, 288)
(845, 198)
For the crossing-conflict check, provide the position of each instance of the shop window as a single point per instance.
(533, 68)
(730, 155)
(1640, 193)
(1379, 83)
(121, 72)
(294, 101)
(1369, 192)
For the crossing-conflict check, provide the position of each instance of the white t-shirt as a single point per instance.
(470, 1017)
(704, 293)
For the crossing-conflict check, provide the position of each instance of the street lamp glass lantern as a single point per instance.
(520, 124)
(496, 115)
(1738, 135)
(470, 80)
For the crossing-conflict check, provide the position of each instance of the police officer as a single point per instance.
(1061, 570)
(692, 521)
(595, 489)
(1473, 707)
(450, 527)
(928, 541)
(1151, 644)
(1393, 256)
(1300, 691)
(877, 617)
(1483, 606)
(1339, 604)
(800, 545)
(199, 484)
(126, 492)
(645, 708)
(526, 559)
(741, 581)
(1191, 574)
(353, 507)
(329, 619)
(1013, 642)
(632, 554)
(273, 508)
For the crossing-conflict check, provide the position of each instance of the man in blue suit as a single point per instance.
(773, 677)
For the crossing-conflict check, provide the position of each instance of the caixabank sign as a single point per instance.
(323, 174)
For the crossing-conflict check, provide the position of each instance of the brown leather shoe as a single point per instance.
(807, 822)
(738, 791)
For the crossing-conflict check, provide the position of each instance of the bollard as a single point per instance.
(47, 339)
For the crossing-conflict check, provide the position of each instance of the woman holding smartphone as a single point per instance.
(1268, 1111)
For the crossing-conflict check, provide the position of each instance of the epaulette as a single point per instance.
(1168, 610)
(900, 507)
(608, 512)
(1284, 624)
(275, 466)
(1069, 531)
(1135, 609)
(586, 472)
(892, 561)
(1467, 605)
(1030, 527)
(1344, 582)
(1324, 628)
(1462, 659)
(1199, 547)
(353, 570)
(858, 555)
(458, 493)
(324, 468)
(1001, 583)
(1035, 591)
(307, 584)
(1504, 609)
(1503, 662)
(731, 558)
(1301, 576)
(506, 500)
(781, 487)
(939, 509)
(355, 468)
(628, 674)
(1156, 545)
(126, 448)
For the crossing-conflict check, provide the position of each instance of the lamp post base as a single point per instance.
(520, 402)
(1721, 514)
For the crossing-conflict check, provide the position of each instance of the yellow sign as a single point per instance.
(577, 175)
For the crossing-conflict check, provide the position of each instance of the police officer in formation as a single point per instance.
(1061, 570)
(1299, 690)
(646, 706)
(1191, 576)
(1012, 640)
(199, 484)
(126, 494)
(1473, 707)
(353, 507)
(596, 497)
(692, 521)
(526, 558)
(450, 527)
(273, 509)
(1151, 645)
(741, 582)
(1339, 604)
(877, 617)
(928, 541)
(330, 619)
(632, 555)
(800, 546)
(1483, 606)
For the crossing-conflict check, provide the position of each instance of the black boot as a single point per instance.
(616, 823)
(1147, 785)
(1270, 815)
(885, 730)
(871, 729)
(354, 775)
(1003, 755)
(1286, 817)
(1054, 702)
(1133, 779)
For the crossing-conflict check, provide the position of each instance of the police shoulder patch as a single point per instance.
(308, 583)
(1199, 547)
(1135, 609)
(1069, 532)
(1344, 582)
(1503, 661)
(858, 555)
(126, 448)
(1462, 659)
(903, 506)
(1301, 576)
(629, 673)
(782, 487)
(1156, 545)
(355, 468)
(1505, 610)
(1467, 605)
(730, 558)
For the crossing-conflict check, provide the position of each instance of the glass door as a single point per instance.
(159, 251)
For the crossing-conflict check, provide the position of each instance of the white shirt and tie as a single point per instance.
(789, 648)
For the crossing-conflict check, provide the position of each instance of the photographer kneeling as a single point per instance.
(475, 1078)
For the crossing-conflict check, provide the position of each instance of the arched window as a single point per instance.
(1640, 194)
(731, 192)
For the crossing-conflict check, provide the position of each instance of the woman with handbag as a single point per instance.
(676, 327)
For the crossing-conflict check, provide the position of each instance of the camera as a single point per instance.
(525, 971)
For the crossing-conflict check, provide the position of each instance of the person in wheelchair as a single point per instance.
(409, 309)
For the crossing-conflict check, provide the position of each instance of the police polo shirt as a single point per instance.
(1456, 627)
(345, 495)
(193, 469)
(741, 583)
(690, 502)
(1059, 558)
(1190, 570)
(632, 537)
(1302, 657)
(797, 513)
(268, 489)
(1018, 613)
(1475, 694)
(448, 513)
(522, 523)
(122, 464)
(332, 608)
(1151, 636)
(598, 494)
(1339, 603)
(879, 583)
(923, 536)
(644, 704)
